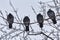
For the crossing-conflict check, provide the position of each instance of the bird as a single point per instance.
(40, 20)
(10, 19)
(52, 16)
(26, 22)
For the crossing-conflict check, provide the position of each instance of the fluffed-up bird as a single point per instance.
(10, 19)
(26, 22)
(51, 15)
(40, 20)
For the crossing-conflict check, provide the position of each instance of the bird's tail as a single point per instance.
(54, 21)
(27, 28)
(41, 25)
(10, 25)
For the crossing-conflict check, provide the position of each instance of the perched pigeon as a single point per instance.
(51, 15)
(10, 19)
(40, 20)
(26, 22)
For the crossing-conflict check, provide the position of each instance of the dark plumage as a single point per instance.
(10, 19)
(26, 22)
(40, 20)
(51, 15)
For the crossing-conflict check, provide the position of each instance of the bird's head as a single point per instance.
(10, 14)
(39, 14)
(26, 17)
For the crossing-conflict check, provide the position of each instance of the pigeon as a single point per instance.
(40, 20)
(51, 15)
(10, 19)
(26, 22)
